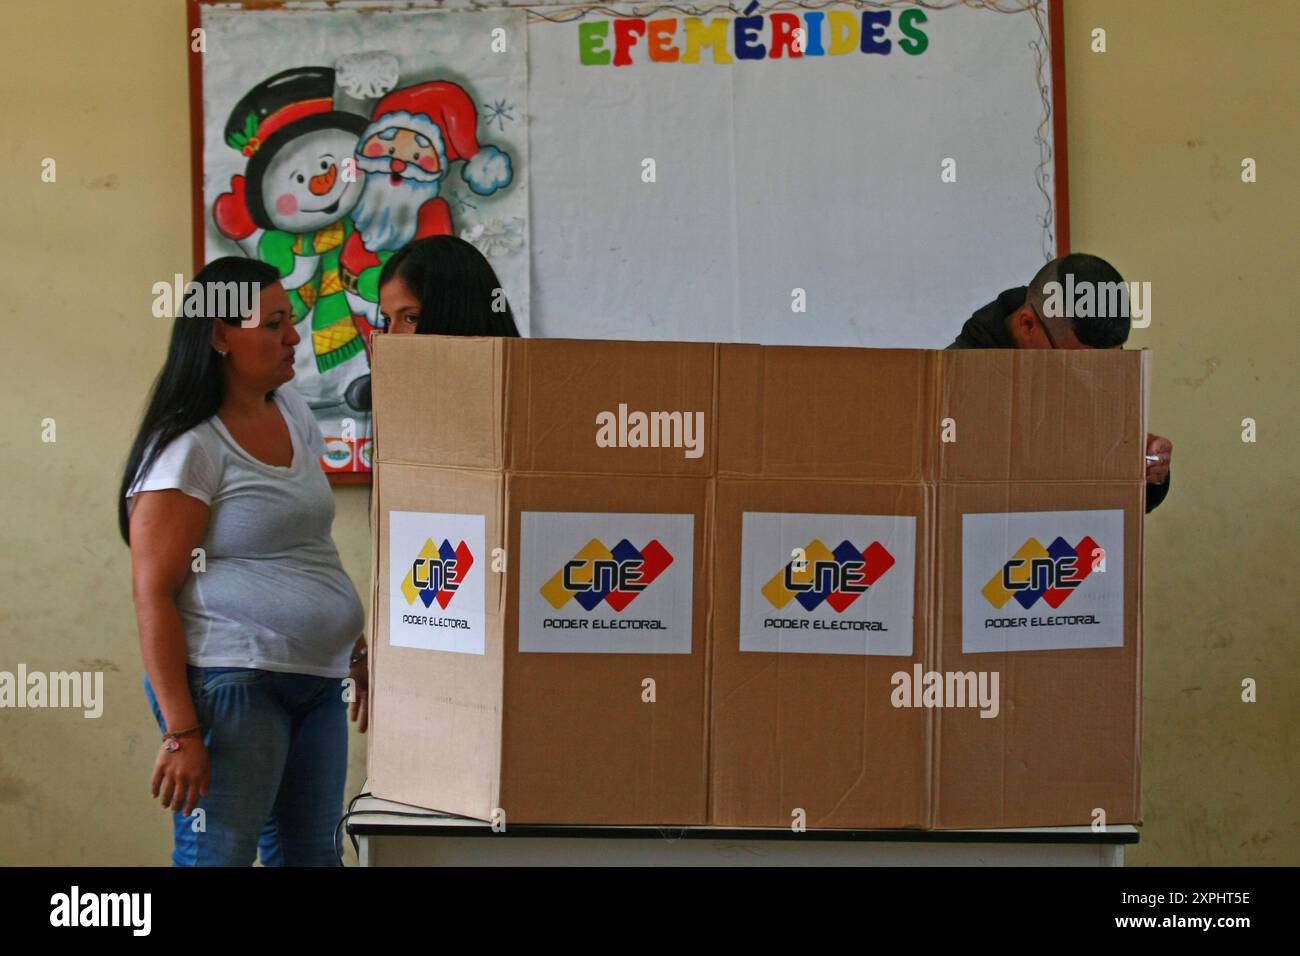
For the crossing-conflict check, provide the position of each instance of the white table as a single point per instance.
(422, 838)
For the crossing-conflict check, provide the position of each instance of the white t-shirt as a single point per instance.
(274, 595)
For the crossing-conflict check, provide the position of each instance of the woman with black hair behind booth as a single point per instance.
(245, 652)
(442, 285)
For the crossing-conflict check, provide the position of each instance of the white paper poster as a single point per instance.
(827, 584)
(436, 573)
(606, 583)
(1042, 580)
(691, 169)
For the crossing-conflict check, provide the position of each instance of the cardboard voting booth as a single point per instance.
(687, 583)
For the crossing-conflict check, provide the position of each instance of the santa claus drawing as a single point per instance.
(405, 154)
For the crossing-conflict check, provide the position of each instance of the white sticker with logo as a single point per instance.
(436, 569)
(596, 583)
(827, 584)
(1042, 581)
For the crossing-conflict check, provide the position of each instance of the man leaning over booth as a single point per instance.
(1030, 317)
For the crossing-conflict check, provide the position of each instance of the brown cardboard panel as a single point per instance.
(1042, 415)
(437, 400)
(558, 387)
(1067, 736)
(436, 715)
(859, 414)
(579, 743)
(814, 731)
(567, 738)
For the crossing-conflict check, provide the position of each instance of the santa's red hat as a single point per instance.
(444, 113)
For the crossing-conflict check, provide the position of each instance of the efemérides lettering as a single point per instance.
(827, 583)
(756, 34)
(1042, 580)
(597, 583)
(436, 581)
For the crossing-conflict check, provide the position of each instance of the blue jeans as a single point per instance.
(279, 750)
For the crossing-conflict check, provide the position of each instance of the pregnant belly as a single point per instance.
(317, 606)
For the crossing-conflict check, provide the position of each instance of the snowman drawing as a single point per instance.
(291, 208)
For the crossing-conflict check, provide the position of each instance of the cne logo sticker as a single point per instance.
(827, 597)
(597, 573)
(1067, 593)
(836, 577)
(1050, 574)
(437, 592)
(585, 587)
(436, 573)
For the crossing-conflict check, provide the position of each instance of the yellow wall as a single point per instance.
(1158, 127)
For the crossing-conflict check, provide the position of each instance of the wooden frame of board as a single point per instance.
(1060, 137)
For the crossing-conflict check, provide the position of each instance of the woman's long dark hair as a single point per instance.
(456, 286)
(189, 388)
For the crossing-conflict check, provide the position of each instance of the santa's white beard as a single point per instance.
(388, 215)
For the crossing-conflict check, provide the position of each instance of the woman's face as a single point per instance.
(399, 306)
(262, 353)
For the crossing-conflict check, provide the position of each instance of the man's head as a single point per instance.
(1074, 302)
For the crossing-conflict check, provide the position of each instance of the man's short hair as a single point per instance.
(1106, 323)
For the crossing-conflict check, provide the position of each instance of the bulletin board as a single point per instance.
(859, 174)
(779, 177)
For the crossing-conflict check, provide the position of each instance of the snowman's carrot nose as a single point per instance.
(320, 185)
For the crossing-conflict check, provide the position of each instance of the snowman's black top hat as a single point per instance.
(277, 111)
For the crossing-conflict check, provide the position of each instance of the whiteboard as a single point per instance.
(821, 174)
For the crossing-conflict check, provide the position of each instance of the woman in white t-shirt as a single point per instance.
(248, 622)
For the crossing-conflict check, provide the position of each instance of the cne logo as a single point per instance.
(437, 573)
(1052, 573)
(837, 577)
(613, 575)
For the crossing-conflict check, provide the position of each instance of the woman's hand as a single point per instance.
(359, 709)
(182, 776)
(1161, 449)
